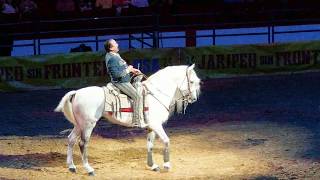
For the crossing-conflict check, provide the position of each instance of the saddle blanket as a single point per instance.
(117, 104)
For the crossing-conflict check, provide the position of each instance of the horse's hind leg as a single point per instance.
(72, 139)
(83, 144)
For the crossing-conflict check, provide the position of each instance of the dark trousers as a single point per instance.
(137, 98)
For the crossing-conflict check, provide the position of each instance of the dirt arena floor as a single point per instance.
(241, 128)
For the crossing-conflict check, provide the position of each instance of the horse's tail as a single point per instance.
(65, 106)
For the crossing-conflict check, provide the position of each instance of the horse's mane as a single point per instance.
(169, 70)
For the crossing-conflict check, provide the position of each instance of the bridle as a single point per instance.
(185, 98)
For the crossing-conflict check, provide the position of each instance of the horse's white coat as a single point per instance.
(87, 107)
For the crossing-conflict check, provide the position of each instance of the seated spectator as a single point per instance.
(7, 7)
(28, 6)
(81, 48)
(139, 3)
(65, 6)
(85, 5)
(120, 4)
(103, 4)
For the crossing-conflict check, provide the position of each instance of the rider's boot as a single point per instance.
(137, 118)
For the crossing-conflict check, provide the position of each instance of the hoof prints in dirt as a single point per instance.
(265, 178)
(246, 143)
(254, 142)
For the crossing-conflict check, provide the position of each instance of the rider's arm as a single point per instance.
(117, 69)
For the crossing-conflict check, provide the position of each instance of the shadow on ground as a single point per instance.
(33, 161)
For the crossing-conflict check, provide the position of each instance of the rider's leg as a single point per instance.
(137, 81)
(139, 88)
(129, 90)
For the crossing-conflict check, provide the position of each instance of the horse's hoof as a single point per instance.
(166, 169)
(157, 169)
(91, 173)
(167, 166)
(73, 170)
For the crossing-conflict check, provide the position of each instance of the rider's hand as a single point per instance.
(130, 68)
(133, 70)
(137, 71)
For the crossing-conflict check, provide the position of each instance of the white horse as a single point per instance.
(84, 107)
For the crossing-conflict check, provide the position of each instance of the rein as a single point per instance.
(150, 92)
(185, 98)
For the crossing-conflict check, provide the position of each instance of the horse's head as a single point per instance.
(190, 87)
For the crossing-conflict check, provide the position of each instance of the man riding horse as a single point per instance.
(120, 74)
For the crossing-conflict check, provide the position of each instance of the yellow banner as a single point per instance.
(77, 70)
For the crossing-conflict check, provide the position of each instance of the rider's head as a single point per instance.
(111, 45)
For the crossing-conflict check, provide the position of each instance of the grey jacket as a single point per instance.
(116, 67)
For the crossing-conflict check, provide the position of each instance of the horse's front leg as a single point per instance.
(150, 144)
(166, 141)
(166, 157)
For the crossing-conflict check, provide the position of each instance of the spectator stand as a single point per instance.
(51, 20)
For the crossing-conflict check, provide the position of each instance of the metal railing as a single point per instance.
(151, 30)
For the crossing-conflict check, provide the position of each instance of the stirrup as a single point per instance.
(143, 125)
(139, 125)
(135, 125)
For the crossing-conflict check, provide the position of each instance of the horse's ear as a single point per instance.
(191, 66)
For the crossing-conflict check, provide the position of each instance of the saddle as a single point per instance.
(119, 105)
